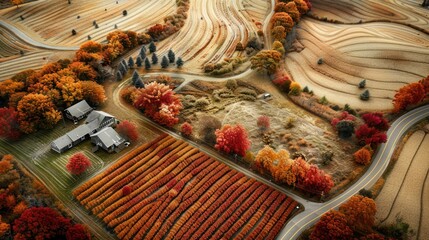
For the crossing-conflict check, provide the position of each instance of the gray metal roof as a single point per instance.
(109, 137)
(79, 109)
(97, 115)
(78, 132)
(62, 142)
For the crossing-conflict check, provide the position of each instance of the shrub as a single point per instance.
(202, 103)
(128, 130)
(365, 95)
(186, 129)
(232, 139)
(295, 89)
(263, 122)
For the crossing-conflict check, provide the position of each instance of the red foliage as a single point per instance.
(332, 225)
(40, 223)
(156, 30)
(308, 4)
(126, 190)
(344, 116)
(78, 232)
(283, 82)
(376, 120)
(412, 93)
(9, 125)
(232, 139)
(373, 236)
(186, 129)
(263, 122)
(317, 181)
(370, 135)
(159, 103)
(128, 129)
(78, 163)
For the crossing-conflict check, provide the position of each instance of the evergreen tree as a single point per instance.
(139, 83)
(147, 64)
(123, 68)
(124, 63)
(139, 61)
(152, 47)
(130, 62)
(143, 52)
(118, 76)
(171, 56)
(164, 62)
(154, 58)
(365, 96)
(362, 84)
(179, 62)
(305, 89)
(135, 77)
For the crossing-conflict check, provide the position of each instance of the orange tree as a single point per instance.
(332, 225)
(360, 213)
(266, 61)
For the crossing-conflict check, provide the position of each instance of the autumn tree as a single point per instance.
(295, 89)
(376, 120)
(36, 111)
(83, 71)
(278, 33)
(360, 213)
(88, 52)
(282, 19)
(40, 223)
(17, 2)
(93, 93)
(302, 6)
(283, 82)
(412, 93)
(232, 139)
(156, 31)
(370, 135)
(316, 181)
(266, 61)
(4, 228)
(160, 103)
(332, 225)
(9, 87)
(78, 232)
(186, 129)
(289, 8)
(78, 163)
(341, 117)
(128, 130)
(363, 155)
(278, 46)
(9, 125)
(263, 122)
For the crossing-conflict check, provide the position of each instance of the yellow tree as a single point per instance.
(70, 91)
(266, 61)
(93, 93)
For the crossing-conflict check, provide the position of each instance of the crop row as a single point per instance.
(178, 192)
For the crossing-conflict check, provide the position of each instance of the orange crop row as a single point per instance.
(178, 192)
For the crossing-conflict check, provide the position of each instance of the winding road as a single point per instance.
(300, 222)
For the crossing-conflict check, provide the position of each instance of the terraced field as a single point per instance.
(387, 55)
(53, 21)
(353, 11)
(405, 192)
(213, 29)
(179, 192)
(11, 61)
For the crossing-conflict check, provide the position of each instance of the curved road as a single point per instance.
(312, 211)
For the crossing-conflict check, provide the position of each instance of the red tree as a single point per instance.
(316, 181)
(263, 122)
(156, 30)
(370, 135)
(283, 82)
(160, 103)
(9, 125)
(232, 139)
(332, 225)
(373, 236)
(78, 232)
(412, 93)
(128, 130)
(186, 129)
(376, 120)
(78, 163)
(40, 223)
(343, 116)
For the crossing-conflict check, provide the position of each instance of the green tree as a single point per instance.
(164, 62)
(365, 95)
(147, 64)
(179, 62)
(171, 56)
(130, 62)
(152, 47)
(139, 61)
(154, 58)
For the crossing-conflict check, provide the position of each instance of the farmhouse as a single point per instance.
(96, 121)
(78, 111)
(109, 140)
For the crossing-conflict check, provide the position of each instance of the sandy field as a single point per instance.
(53, 21)
(11, 61)
(353, 11)
(387, 55)
(405, 192)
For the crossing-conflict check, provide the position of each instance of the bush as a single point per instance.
(365, 95)
(202, 103)
(78, 163)
(263, 122)
(231, 84)
(188, 101)
(186, 129)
